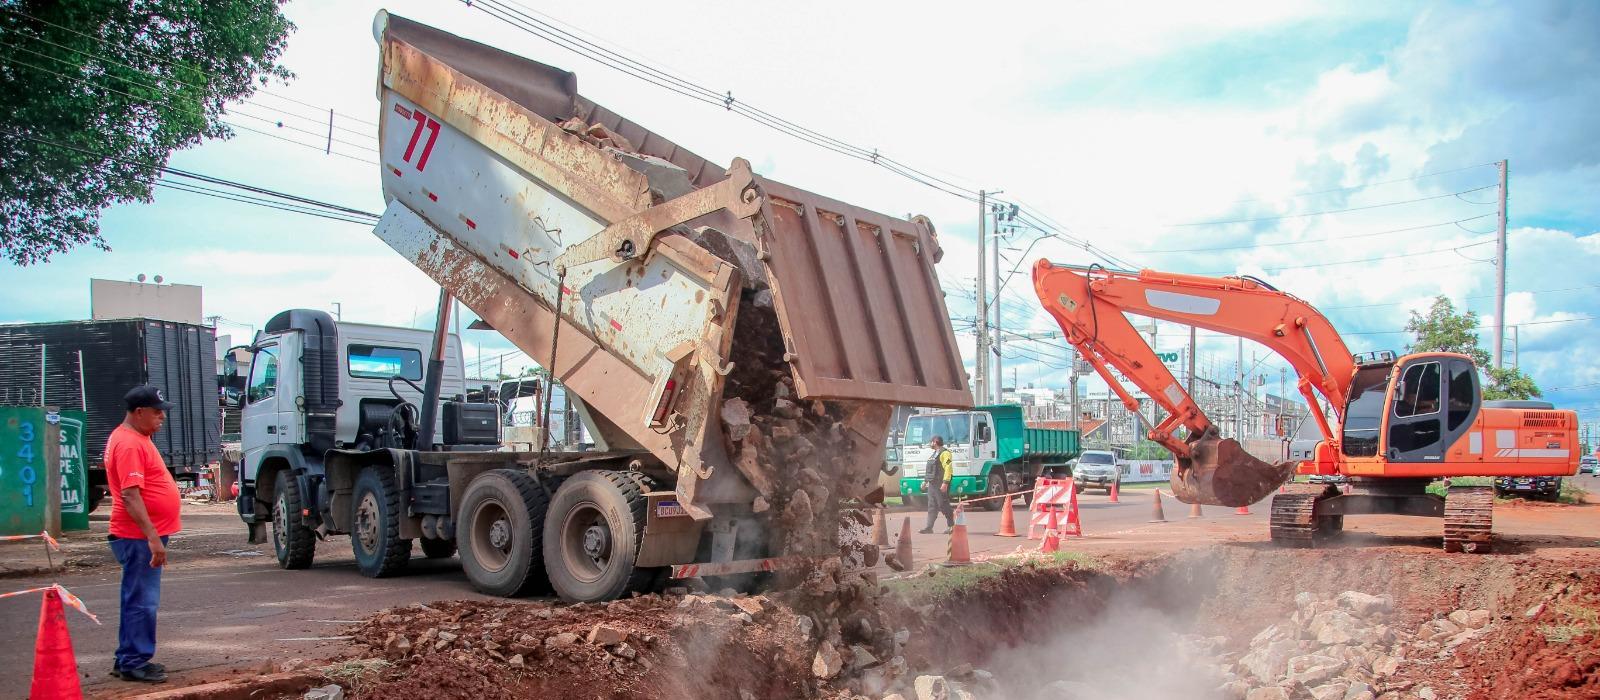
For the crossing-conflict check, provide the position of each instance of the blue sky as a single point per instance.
(1120, 123)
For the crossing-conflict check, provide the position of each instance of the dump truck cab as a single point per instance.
(315, 385)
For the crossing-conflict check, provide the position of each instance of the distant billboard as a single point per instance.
(112, 299)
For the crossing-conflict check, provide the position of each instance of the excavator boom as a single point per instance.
(1089, 303)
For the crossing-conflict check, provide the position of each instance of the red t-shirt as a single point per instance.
(132, 460)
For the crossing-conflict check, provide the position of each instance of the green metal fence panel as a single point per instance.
(74, 471)
(30, 489)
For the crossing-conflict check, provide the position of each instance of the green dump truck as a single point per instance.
(994, 450)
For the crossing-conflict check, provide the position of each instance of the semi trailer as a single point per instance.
(89, 365)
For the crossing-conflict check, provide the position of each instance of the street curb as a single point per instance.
(241, 688)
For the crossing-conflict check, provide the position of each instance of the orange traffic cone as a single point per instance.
(902, 549)
(1052, 535)
(1194, 511)
(1156, 516)
(880, 531)
(960, 553)
(1008, 522)
(55, 668)
(1114, 489)
(1243, 510)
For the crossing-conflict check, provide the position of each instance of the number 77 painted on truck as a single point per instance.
(994, 452)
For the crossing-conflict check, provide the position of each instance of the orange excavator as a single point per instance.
(1390, 425)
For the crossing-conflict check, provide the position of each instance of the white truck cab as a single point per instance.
(316, 385)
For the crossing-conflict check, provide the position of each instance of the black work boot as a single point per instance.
(148, 673)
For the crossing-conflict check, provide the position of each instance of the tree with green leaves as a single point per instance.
(1443, 329)
(98, 95)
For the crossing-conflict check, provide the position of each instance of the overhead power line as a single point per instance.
(180, 66)
(1353, 262)
(1578, 319)
(1252, 246)
(81, 81)
(1302, 215)
(1368, 185)
(284, 201)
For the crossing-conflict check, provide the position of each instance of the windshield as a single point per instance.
(953, 427)
(1365, 413)
(1097, 458)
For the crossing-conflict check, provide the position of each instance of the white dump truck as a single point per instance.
(736, 344)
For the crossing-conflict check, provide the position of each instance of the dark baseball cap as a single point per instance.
(146, 396)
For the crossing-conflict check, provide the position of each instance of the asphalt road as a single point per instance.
(224, 604)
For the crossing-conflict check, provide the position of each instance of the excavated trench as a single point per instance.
(1258, 623)
(1235, 621)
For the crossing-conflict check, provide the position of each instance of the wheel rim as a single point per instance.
(586, 542)
(367, 522)
(280, 524)
(492, 535)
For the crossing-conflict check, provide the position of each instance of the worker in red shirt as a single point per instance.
(144, 511)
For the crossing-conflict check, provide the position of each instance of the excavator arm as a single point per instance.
(1089, 303)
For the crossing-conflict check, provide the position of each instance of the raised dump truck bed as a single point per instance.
(737, 343)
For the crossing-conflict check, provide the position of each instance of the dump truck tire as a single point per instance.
(375, 524)
(293, 542)
(997, 487)
(592, 534)
(499, 532)
(438, 549)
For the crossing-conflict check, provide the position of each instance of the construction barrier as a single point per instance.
(50, 544)
(1058, 497)
(55, 668)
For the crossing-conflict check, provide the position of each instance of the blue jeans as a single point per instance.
(141, 595)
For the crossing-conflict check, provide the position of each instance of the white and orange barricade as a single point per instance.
(1054, 496)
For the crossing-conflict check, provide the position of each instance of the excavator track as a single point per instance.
(1469, 519)
(1294, 521)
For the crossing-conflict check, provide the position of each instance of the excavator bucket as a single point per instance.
(1219, 472)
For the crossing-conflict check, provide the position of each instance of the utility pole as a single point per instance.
(980, 387)
(1500, 272)
(1191, 361)
(999, 374)
(1516, 349)
(1238, 396)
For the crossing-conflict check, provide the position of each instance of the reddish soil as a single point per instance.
(675, 647)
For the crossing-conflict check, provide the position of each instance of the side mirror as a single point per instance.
(983, 432)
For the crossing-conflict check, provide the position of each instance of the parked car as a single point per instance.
(1097, 468)
(1545, 487)
(1589, 464)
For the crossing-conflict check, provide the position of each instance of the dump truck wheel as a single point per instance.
(293, 542)
(591, 536)
(997, 488)
(375, 524)
(438, 549)
(499, 533)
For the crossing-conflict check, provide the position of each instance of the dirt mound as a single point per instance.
(648, 647)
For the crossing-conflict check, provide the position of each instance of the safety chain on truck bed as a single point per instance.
(1468, 519)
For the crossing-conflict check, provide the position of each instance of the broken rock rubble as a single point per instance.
(1347, 648)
